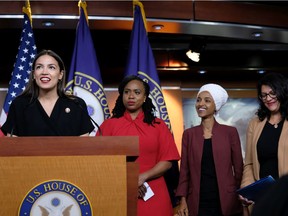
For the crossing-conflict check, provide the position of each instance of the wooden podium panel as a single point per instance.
(97, 165)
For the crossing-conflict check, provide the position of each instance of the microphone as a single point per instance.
(91, 119)
(95, 123)
(12, 130)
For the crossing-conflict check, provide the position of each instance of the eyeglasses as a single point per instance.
(263, 96)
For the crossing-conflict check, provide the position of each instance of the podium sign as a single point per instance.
(98, 172)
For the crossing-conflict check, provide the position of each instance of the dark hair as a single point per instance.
(279, 85)
(32, 89)
(148, 107)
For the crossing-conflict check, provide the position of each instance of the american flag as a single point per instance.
(22, 67)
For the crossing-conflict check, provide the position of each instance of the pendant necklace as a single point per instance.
(275, 122)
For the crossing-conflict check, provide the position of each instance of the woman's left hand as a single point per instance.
(141, 191)
(141, 187)
(245, 202)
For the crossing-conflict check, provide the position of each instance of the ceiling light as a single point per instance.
(261, 71)
(158, 27)
(257, 34)
(48, 23)
(196, 46)
(202, 71)
(194, 56)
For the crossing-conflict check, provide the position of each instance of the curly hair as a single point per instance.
(279, 85)
(148, 107)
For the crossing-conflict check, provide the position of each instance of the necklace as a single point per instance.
(276, 124)
(207, 134)
(275, 121)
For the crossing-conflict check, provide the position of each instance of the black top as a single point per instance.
(267, 150)
(209, 193)
(69, 117)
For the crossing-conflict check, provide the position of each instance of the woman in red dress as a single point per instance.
(133, 115)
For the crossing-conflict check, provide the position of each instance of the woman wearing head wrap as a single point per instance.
(211, 161)
(267, 134)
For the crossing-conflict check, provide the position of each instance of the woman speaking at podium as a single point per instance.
(43, 109)
(133, 115)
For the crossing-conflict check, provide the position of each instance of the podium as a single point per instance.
(103, 168)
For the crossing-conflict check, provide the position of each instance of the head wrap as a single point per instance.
(218, 94)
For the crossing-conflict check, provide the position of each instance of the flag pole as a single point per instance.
(138, 3)
(27, 10)
(83, 5)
